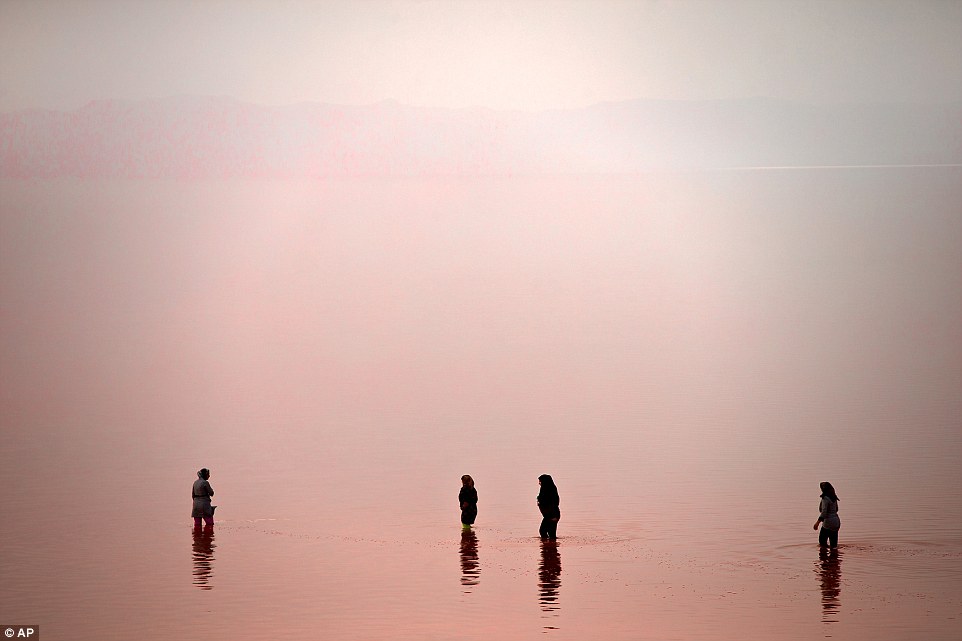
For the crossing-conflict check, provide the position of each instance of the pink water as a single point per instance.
(687, 355)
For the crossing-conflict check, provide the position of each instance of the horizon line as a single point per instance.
(881, 166)
(398, 103)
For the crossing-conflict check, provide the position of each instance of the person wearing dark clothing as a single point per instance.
(468, 498)
(549, 503)
(201, 493)
(828, 516)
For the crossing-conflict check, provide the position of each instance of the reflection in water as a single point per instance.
(470, 568)
(203, 557)
(549, 578)
(829, 571)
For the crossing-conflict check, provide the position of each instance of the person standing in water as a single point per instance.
(201, 493)
(550, 505)
(468, 498)
(828, 516)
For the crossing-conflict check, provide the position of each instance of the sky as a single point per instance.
(528, 55)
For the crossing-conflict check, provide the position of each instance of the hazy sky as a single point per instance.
(520, 55)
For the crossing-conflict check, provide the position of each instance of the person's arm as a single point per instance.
(822, 508)
(210, 490)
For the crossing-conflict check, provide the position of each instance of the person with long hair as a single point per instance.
(550, 505)
(201, 493)
(468, 498)
(828, 516)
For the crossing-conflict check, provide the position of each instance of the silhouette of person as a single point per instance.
(550, 505)
(470, 566)
(201, 493)
(203, 552)
(468, 498)
(828, 516)
(829, 571)
(549, 578)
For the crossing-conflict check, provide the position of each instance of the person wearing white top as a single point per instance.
(828, 516)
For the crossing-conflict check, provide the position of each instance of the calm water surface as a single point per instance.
(688, 355)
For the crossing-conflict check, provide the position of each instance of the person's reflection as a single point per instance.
(549, 578)
(470, 567)
(203, 549)
(829, 571)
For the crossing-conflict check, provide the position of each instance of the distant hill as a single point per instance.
(203, 137)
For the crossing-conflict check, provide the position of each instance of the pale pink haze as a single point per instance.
(689, 258)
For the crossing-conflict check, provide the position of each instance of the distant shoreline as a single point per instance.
(196, 137)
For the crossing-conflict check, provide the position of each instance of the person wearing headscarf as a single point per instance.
(201, 493)
(828, 516)
(550, 505)
(468, 498)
